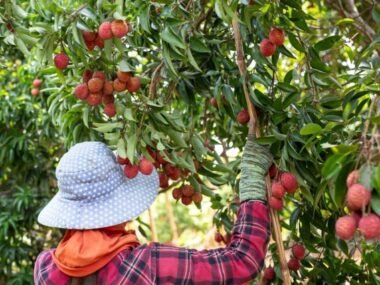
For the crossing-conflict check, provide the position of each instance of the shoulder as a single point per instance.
(44, 259)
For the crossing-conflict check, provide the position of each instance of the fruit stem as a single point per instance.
(252, 113)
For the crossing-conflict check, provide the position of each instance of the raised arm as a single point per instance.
(244, 257)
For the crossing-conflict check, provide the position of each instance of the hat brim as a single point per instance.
(125, 203)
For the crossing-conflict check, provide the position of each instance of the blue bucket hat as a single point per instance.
(94, 192)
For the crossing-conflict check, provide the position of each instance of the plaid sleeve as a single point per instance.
(236, 264)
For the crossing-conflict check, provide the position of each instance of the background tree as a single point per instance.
(316, 98)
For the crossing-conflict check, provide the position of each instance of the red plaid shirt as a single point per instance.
(161, 264)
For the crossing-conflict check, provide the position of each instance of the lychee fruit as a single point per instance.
(352, 178)
(105, 31)
(108, 88)
(89, 36)
(370, 226)
(160, 158)
(37, 83)
(90, 45)
(278, 190)
(61, 60)
(164, 180)
(95, 85)
(267, 48)
(121, 160)
(87, 75)
(119, 86)
(289, 181)
(269, 274)
(345, 227)
(99, 42)
(218, 237)
(294, 264)
(119, 28)
(108, 99)
(275, 203)
(35, 92)
(277, 36)
(81, 91)
(145, 166)
(94, 99)
(214, 102)
(197, 197)
(110, 110)
(358, 197)
(99, 74)
(186, 200)
(272, 171)
(133, 84)
(187, 191)
(123, 76)
(177, 193)
(131, 170)
(298, 251)
(243, 117)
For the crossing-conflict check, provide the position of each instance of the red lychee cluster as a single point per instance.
(298, 253)
(357, 199)
(269, 45)
(97, 89)
(243, 117)
(219, 238)
(61, 60)
(269, 274)
(107, 30)
(187, 195)
(287, 183)
(36, 87)
(144, 166)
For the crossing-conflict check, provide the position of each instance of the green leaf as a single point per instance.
(198, 46)
(376, 14)
(176, 137)
(295, 43)
(375, 203)
(145, 19)
(326, 43)
(192, 60)
(131, 146)
(170, 37)
(121, 149)
(311, 129)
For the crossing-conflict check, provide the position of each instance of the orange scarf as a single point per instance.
(82, 252)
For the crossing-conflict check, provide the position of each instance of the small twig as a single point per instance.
(154, 81)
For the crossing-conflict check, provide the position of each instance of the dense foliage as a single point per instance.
(316, 98)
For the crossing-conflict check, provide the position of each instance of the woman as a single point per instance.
(95, 201)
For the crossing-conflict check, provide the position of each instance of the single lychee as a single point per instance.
(214, 102)
(145, 166)
(278, 190)
(243, 117)
(175, 174)
(89, 36)
(289, 181)
(358, 197)
(197, 197)
(99, 74)
(269, 274)
(298, 251)
(119, 86)
(177, 193)
(294, 264)
(95, 85)
(61, 60)
(188, 190)
(94, 99)
(152, 153)
(160, 158)
(352, 178)
(272, 171)
(345, 227)
(37, 83)
(35, 92)
(267, 48)
(90, 45)
(123, 76)
(131, 170)
(119, 28)
(108, 99)
(121, 160)
(370, 226)
(186, 200)
(277, 36)
(99, 42)
(218, 237)
(108, 88)
(133, 84)
(164, 180)
(110, 110)
(87, 75)
(275, 203)
(81, 91)
(105, 31)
